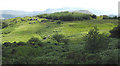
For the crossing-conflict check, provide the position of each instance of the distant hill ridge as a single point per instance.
(12, 14)
(18, 13)
(83, 11)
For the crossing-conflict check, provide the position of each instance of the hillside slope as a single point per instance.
(24, 30)
(60, 38)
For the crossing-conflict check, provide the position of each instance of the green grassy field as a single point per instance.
(23, 31)
(34, 40)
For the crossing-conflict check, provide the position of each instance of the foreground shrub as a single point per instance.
(21, 55)
(115, 32)
(76, 57)
(93, 59)
(114, 43)
(4, 24)
(96, 41)
(58, 37)
(94, 16)
(59, 22)
(65, 41)
(21, 43)
(35, 41)
(6, 44)
(110, 56)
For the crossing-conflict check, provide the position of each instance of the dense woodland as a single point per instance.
(61, 38)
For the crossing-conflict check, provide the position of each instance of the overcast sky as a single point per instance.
(40, 5)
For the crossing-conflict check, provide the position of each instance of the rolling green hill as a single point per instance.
(43, 39)
(24, 30)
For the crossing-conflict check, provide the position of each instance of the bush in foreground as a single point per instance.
(58, 37)
(96, 41)
(115, 32)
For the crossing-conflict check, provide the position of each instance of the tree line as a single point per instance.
(68, 16)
